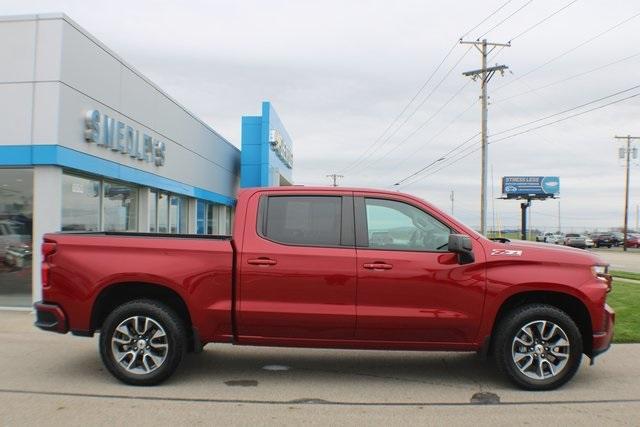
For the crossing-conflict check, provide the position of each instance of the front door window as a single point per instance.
(396, 225)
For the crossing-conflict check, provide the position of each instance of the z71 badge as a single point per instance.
(506, 252)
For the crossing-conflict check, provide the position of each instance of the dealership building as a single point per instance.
(90, 144)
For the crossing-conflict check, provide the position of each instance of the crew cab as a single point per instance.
(330, 268)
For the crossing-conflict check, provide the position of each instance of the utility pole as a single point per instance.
(627, 153)
(484, 74)
(637, 215)
(453, 197)
(335, 177)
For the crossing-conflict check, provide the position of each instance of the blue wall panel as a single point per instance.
(257, 159)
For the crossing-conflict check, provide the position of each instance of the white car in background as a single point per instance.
(555, 238)
(588, 241)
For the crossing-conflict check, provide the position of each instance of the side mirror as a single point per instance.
(461, 245)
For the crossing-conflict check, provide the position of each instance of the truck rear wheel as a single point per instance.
(538, 347)
(142, 342)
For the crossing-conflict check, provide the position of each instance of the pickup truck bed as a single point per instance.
(196, 269)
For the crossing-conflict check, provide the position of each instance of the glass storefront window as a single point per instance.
(16, 219)
(153, 201)
(120, 207)
(228, 220)
(101, 204)
(184, 216)
(80, 203)
(201, 209)
(213, 219)
(178, 214)
(163, 213)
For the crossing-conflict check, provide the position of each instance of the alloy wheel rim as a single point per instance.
(139, 345)
(540, 350)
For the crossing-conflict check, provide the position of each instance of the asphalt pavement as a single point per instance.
(620, 260)
(53, 379)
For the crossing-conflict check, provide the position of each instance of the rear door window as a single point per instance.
(303, 220)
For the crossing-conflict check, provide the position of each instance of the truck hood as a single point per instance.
(541, 252)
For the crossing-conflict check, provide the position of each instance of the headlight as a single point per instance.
(601, 272)
(600, 269)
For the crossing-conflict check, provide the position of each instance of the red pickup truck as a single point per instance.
(332, 268)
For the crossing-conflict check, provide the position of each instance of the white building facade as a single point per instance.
(89, 144)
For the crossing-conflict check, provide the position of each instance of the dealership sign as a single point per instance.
(282, 150)
(535, 186)
(118, 136)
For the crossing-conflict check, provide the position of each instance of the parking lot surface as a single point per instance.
(619, 260)
(56, 379)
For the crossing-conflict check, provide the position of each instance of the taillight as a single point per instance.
(48, 249)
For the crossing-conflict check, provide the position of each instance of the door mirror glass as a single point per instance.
(461, 245)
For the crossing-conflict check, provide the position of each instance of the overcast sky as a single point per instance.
(339, 72)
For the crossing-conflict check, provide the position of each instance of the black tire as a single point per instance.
(509, 327)
(176, 341)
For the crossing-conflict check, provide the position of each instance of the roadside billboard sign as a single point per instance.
(530, 186)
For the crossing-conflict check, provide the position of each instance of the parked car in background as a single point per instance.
(542, 237)
(576, 241)
(618, 238)
(549, 237)
(556, 238)
(603, 240)
(588, 241)
(633, 240)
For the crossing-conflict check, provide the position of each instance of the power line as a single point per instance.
(567, 110)
(423, 124)
(426, 167)
(566, 118)
(440, 132)
(569, 51)
(504, 20)
(415, 110)
(584, 73)
(543, 20)
(486, 19)
(455, 119)
(395, 120)
(432, 116)
(459, 158)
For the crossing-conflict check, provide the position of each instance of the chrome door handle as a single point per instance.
(262, 261)
(378, 266)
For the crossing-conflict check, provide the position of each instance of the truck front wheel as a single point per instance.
(538, 347)
(142, 342)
